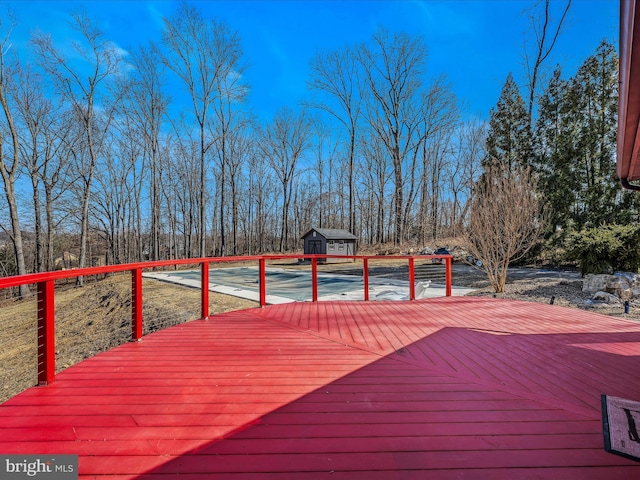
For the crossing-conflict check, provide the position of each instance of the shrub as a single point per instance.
(506, 219)
(606, 249)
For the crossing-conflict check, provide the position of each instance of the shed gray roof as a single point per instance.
(332, 234)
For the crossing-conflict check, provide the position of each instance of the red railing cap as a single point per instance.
(17, 280)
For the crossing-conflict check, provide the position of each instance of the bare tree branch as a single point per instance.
(545, 41)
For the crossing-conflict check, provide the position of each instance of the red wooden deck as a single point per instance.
(450, 388)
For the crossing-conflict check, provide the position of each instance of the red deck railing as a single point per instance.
(45, 283)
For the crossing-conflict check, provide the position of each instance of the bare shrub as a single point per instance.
(506, 219)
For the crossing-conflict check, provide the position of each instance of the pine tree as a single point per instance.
(575, 146)
(593, 98)
(553, 152)
(508, 139)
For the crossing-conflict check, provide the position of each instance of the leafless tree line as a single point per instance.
(101, 164)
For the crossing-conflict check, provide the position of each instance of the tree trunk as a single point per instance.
(203, 183)
(9, 178)
(39, 260)
(399, 199)
(16, 233)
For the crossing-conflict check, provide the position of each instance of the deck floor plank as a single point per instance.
(452, 388)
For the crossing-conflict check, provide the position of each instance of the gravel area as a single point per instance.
(540, 285)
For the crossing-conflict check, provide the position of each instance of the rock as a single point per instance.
(625, 285)
(595, 283)
(630, 277)
(632, 285)
(604, 297)
(622, 285)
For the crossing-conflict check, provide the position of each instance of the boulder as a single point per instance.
(631, 284)
(596, 283)
(604, 297)
(624, 285)
(426, 251)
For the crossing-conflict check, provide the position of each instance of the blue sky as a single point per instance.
(474, 43)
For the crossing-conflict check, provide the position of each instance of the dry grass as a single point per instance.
(91, 320)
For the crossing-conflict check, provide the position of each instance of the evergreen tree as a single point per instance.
(593, 107)
(508, 139)
(554, 152)
(575, 146)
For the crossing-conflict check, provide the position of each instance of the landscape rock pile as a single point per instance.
(621, 286)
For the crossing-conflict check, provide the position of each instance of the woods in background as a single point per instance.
(110, 156)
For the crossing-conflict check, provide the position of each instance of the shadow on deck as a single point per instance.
(464, 388)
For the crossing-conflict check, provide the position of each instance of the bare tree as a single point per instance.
(262, 200)
(33, 110)
(120, 179)
(438, 152)
(439, 114)
(392, 69)
(336, 75)
(228, 134)
(506, 219)
(10, 155)
(545, 38)
(283, 141)
(326, 150)
(169, 185)
(464, 170)
(113, 196)
(149, 105)
(84, 86)
(376, 175)
(204, 55)
(184, 176)
(44, 152)
(235, 147)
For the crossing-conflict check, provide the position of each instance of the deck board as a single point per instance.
(453, 388)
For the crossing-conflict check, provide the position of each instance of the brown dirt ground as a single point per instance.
(97, 317)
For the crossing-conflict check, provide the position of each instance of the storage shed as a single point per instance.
(330, 241)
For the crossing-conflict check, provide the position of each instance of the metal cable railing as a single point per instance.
(45, 288)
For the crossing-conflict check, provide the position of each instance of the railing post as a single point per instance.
(448, 276)
(365, 277)
(46, 333)
(263, 282)
(204, 292)
(412, 280)
(136, 304)
(314, 279)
